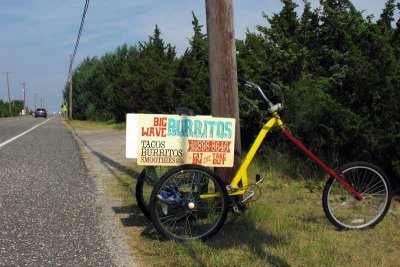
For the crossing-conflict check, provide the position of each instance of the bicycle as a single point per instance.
(191, 202)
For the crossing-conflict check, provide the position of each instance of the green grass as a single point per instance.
(286, 226)
(95, 125)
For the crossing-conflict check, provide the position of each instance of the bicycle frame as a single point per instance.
(241, 174)
(200, 201)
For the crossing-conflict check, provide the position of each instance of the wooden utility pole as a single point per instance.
(70, 87)
(8, 88)
(23, 91)
(223, 71)
(35, 94)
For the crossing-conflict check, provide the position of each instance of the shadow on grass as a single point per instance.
(237, 232)
(314, 219)
(240, 231)
(136, 219)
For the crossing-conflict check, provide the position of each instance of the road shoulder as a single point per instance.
(103, 151)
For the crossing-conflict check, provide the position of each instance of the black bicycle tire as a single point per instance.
(139, 194)
(325, 196)
(216, 227)
(144, 177)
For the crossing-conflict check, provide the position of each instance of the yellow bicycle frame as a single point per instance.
(241, 174)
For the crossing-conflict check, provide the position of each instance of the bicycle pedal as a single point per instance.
(248, 195)
(259, 178)
(239, 207)
(230, 188)
(235, 209)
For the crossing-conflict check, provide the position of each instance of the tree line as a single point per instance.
(339, 69)
(16, 107)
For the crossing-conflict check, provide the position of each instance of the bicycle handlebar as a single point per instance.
(241, 80)
(266, 80)
(270, 83)
(271, 106)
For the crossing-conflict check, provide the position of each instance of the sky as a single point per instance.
(37, 36)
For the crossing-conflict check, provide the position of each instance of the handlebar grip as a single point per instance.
(266, 80)
(241, 80)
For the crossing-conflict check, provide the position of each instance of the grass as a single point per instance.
(95, 125)
(286, 226)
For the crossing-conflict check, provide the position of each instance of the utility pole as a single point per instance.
(23, 91)
(35, 95)
(8, 88)
(223, 72)
(70, 87)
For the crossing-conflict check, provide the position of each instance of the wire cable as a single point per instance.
(78, 38)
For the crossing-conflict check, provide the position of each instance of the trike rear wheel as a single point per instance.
(344, 210)
(189, 202)
(145, 184)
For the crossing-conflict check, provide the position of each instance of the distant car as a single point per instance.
(41, 112)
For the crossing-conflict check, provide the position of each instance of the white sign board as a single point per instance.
(171, 140)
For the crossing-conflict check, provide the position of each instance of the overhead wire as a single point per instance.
(79, 35)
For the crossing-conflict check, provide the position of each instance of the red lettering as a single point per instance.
(160, 132)
(152, 131)
(160, 121)
(209, 146)
(145, 131)
(219, 159)
(197, 158)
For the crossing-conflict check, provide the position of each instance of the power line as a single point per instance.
(72, 57)
(80, 29)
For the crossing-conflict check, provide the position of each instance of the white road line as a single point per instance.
(18, 136)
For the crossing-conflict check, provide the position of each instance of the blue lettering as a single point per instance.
(171, 127)
(220, 130)
(197, 129)
(211, 124)
(228, 130)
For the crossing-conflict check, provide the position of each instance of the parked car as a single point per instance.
(41, 112)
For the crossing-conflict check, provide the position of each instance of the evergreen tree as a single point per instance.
(340, 74)
(285, 55)
(387, 15)
(192, 72)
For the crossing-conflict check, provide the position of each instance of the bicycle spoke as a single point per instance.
(344, 210)
(189, 216)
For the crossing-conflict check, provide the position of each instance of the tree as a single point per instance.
(192, 72)
(387, 15)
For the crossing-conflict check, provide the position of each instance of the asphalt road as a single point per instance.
(10, 127)
(48, 212)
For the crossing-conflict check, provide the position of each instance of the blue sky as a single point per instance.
(37, 36)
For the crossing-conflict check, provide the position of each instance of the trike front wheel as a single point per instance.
(346, 212)
(189, 202)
